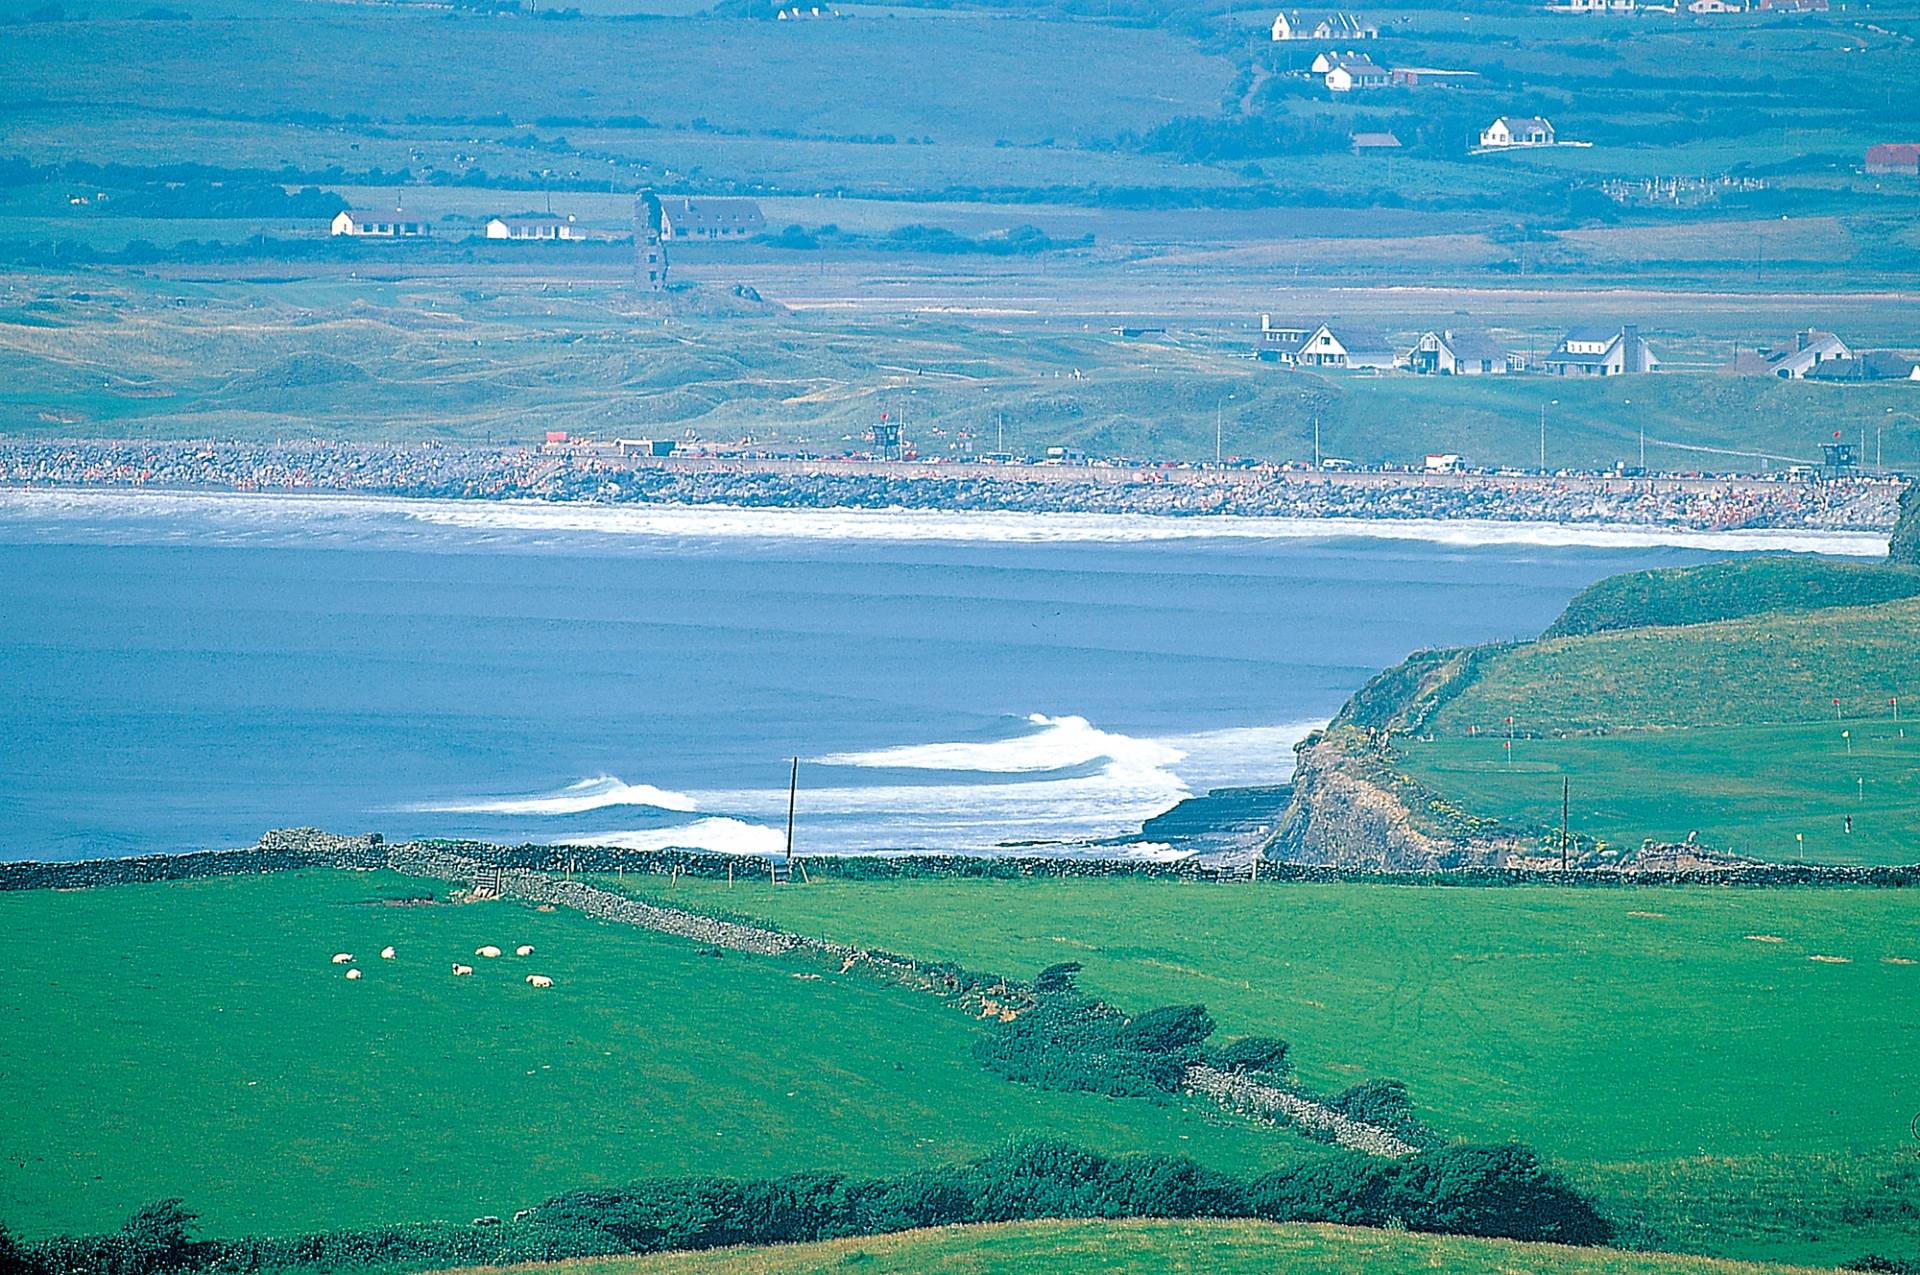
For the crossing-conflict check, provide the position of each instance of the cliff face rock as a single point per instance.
(1904, 546)
(1347, 813)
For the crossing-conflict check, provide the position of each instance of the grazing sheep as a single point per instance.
(488, 951)
(353, 974)
(525, 949)
(539, 980)
(461, 971)
(343, 958)
(386, 953)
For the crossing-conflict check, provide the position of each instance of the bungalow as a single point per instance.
(1595, 6)
(1601, 351)
(1448, 353)
(1346, 72)
(710, 219)
(1792, 6)
(1323, 345)
(1900, 158)
(536, 226)
(1717, 6)
(1332, 26)
(1809, 350)
(1510, 131)
(379, 224)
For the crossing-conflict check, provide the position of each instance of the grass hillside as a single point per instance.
(1729, 590)
(194, 1040)
(1678, 1052)
(1156, 1248)
(1747, 706)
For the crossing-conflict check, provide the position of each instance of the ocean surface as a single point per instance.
(181, 671)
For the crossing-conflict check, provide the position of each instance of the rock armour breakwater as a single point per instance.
(457, 472)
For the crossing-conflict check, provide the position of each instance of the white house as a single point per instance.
(1595, 6)
(1322, 345)
(537, 226)
(1346, 72)
(1510, 131)
(1333, 26)
(1450, 353)
(1716, 6)
(1601, 351)
(383, 223)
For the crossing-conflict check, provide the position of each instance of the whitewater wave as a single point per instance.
(718, 835)
(304, 518)
(1059, 744)
(597, 793)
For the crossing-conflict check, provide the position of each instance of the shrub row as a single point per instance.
(1466, 1190)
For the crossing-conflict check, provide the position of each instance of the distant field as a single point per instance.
(1157, 1248)
(194, 1040)
(1774, 792)
(1727, 1092)
(500, 351)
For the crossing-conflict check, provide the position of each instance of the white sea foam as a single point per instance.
(716, 835)
(1058, 744)
(294, 517)
(597, 793)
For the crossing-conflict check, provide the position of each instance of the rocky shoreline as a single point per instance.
(495, 473)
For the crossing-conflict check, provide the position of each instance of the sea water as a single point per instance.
(186, 670)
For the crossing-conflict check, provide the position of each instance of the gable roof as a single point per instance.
(688, 214)
(1472, 345)
(1375, 141)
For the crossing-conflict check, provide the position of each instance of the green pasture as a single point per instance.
(194, 1040)
(1678, 1052)
(1774, 792)
(1156, 1248)
(1774, 667)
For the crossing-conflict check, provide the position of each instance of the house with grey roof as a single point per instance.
(1601, 350)
(1462, 353)
(379, 223)
(1331, 344)
(712, 219)
(1513, 130)
(1794, 361)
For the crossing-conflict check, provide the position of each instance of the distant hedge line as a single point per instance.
(1465, 1190)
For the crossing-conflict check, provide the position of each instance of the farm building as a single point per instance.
(1419, 77)
(1601, 351)
(535, 226)
(394, 223)
(1375, 143)
(1810, 349)
(1323, 345)
(1508, 131)
(1331, 26)
(1462, 353)
(1902, 158)
(710, 219)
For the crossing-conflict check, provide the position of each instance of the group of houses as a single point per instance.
(1592, 350)
(684, 219)
(1351, 72)
(1694, 6)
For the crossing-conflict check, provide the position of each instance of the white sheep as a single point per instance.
(539, 980)
(461, 971)
(525, 949)
(343, 958)
(386, 953)
(352, 974)
(488, 951)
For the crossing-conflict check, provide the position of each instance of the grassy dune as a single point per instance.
(194, 1040)
(1157, 1248)
(1730, 1095)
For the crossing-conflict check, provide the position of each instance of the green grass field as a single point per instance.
(194, 1040)
(1772, 792)
(1156, 1248)
(1729, 1093)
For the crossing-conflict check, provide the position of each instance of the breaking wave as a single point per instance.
(597, 793)
(294, 518)
(715, 836)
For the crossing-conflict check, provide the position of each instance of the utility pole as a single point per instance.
(1566, 792)
(793, 787)
(1316, 442)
